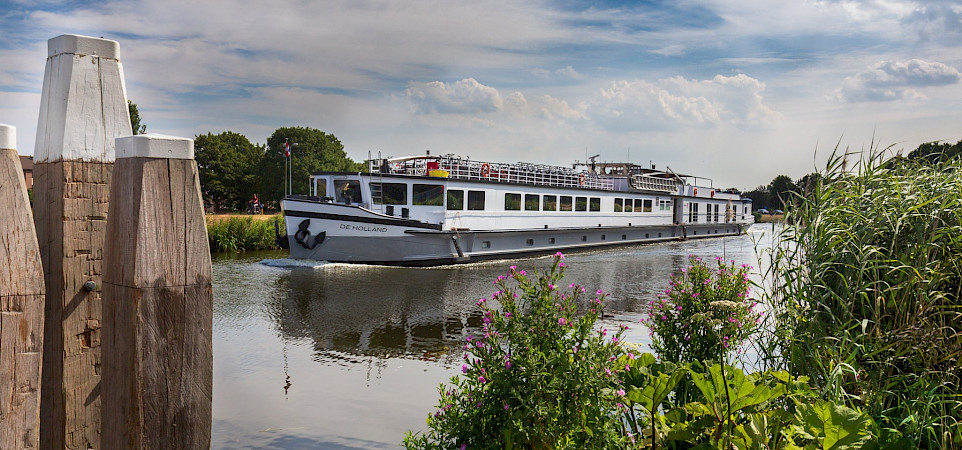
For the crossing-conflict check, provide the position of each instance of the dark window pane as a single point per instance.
(619, 204)
(455, 200)
(594, 204)
(476, 200)
(565, 203)
(390, 193)
(512, 202)
(428, 194)
(531, 202)
(550, 203)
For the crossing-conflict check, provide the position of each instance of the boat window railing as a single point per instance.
(517, 173)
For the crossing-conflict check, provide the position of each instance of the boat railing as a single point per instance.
(658, 184)
(519, 173)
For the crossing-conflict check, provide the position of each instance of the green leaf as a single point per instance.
(835, 427)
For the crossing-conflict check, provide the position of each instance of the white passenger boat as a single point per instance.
(432, 210)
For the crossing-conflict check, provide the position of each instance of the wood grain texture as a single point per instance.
(70, 206)
(21, 311)
(158, 308)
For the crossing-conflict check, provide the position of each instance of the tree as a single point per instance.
(135, 125)
(315, 151)
(780, 189)
(228, 165)
(760, 197)
(935, 152)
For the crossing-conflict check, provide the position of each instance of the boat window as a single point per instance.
(647, 206)
(532, 202)
(581, 203)
(565, 203)
(320, 187)
(716, 213)
(664, 205)
(512, 202)
(455, 200)
(628, 205)
(476, 200)
(428, 194)
(390, 193)
(594, 204)
(619, 204)
(639, 205)
(348, 191)
(550, 203)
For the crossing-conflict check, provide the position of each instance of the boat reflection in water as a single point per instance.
(350, 311)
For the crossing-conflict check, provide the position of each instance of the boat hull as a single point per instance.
(334, 232)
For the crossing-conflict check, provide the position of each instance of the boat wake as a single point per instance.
(294, 263)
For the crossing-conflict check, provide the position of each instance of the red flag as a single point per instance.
(287, 149)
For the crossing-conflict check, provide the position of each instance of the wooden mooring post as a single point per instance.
(83, 108)
(21, 305)
(158, 300)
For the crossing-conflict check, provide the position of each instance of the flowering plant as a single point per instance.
(704, 313)
(539, 377)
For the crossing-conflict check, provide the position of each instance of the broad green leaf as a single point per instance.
(835, 427)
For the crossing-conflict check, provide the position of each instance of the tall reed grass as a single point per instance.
(867, 294)
(242, 233)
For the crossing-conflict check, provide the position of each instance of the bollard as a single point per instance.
(158, 300)
(21, 305)
(83, 108)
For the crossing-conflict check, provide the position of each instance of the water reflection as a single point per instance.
(348, 356)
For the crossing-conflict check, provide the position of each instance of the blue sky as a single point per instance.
(734, 90)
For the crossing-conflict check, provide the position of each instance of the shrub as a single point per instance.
(235, 234)
(539, 377)
(704, 314)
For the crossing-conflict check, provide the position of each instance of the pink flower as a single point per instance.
(506, 407)
(562, 321)
(620, 392)
(559, 255)
(464, 368)
(482, 380)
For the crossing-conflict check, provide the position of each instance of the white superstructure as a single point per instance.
(428, 210)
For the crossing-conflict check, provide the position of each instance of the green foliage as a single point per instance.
(781, 189)
(229, 166)
(316, 151)
(236, 234)
(769, 410)
(704, 314)
(135, 125)
(937, 152)
(540, 376)
(866, 294)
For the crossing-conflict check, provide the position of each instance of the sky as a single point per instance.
(736, 91)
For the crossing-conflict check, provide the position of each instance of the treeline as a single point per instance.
(783, 189)
(232, 169)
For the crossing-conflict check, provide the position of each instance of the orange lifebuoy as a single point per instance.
(485, 170)
(581, 179)
(712, 194)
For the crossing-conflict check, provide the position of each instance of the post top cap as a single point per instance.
(152, 145)
(8, 137)
(83, 45)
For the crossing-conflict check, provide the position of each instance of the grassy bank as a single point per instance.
(237, 233)
(867, 293)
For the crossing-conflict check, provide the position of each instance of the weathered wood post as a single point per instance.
(158, 300)
(83, 108)
(21, 305)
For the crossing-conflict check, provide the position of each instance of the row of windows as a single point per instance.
(433, 195)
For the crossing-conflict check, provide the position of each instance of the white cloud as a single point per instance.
(462, 97)
(896, 80)
(677, 102)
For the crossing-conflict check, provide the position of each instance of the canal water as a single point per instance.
(340, 356)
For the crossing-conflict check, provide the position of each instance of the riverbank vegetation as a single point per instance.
(227, 233)
(855, 340)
